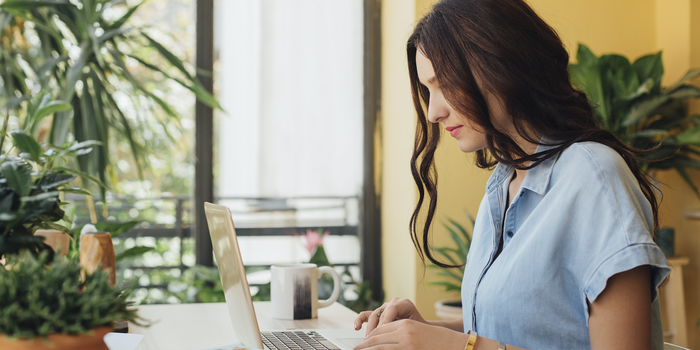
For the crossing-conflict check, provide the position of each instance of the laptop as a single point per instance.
(240, 303)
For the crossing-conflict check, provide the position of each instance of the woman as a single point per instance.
(562, 255)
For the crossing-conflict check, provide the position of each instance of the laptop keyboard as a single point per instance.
(296, 340)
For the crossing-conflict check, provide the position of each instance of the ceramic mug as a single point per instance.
(294, 290)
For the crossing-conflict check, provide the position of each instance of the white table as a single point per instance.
(204, 326)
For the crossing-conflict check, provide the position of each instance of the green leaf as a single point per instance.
(74, 72)
(41, 196)
(54, 181)
(618, 75)
(14, 102)
(643, 89)
(690, 137)
(30, 5)
(587, 77)
(684, 92)
(134, 252)
(690, 75)
(49, 65)
(644, 108)
(83, 175)
(467, 239)
(462, 246)
(27, 144)
(50, 108)
(112, 33)
(445, 252)
(650, 66)
(649, 133)
(75, 190)
(451, 274)
(120, 22)
(7, 216)
(5, 19)
(115, 228)
(200, 92)
(168, 56)
(585, 56)
(18, 175)
(61, 228)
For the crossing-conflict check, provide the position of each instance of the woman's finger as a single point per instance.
(361, 318)
(384, 337)
(373, 320)
(389, 314)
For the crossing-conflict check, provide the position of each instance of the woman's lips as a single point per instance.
(454, 130)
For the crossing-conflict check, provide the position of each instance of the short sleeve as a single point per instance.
(627, 259)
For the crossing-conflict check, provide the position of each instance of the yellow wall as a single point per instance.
(628, 27)
(397, 190)
(678, 35)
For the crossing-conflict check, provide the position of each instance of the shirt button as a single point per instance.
(509, 233)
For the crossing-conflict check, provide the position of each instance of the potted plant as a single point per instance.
(630, 102)
(46, 305)
(33, 178)
(456, 254)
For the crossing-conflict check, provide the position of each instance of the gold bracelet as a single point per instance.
(471, 341)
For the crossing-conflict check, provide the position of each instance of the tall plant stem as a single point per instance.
(4, 129)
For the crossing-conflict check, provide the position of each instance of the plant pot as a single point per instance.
(91, 341)
(449, 309)
(57, 240)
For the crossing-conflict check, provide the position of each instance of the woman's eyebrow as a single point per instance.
(430, 81)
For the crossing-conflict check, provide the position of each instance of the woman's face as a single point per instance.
(468, 136)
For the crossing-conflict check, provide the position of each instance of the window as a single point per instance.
(290, 143)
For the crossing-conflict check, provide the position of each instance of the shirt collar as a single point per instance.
(537, 178)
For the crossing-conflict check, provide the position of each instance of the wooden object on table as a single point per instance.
(90, 341)
(57, 240)
(674, 303)
(205, 326)
(97, 249)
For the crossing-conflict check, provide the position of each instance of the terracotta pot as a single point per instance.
(449, 309)
(59, 241)
(92, 341)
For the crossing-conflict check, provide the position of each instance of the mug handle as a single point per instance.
(336, 286)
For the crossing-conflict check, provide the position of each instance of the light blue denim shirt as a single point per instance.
(578, 219)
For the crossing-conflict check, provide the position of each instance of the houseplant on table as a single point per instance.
(42, 296)
(629, 101)
(32, 179)
(456, 254)
(47, 306)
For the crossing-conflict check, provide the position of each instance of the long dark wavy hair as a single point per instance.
(520, 59)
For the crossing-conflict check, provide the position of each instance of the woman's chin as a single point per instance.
(468, 147)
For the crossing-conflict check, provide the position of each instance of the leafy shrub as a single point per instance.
(37, 299)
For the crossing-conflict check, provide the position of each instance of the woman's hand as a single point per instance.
(413, 335)
(396, 309)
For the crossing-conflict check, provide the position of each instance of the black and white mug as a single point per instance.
(294, 290)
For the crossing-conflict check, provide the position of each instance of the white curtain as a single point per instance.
(290, 81)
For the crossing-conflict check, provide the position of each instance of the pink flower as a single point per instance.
(313, 240)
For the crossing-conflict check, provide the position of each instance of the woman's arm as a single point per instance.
(455, 325)
(620, 317)
(398, 325)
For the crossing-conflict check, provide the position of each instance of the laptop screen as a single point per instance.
(232, 272)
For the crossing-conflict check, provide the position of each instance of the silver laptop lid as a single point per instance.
(232, 272)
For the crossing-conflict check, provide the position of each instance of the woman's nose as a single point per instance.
(437, 110)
